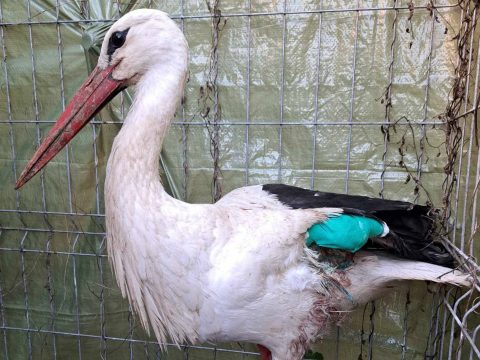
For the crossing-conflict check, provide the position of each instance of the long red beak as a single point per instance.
(93, 95)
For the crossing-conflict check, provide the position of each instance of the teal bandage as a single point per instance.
(344, 232)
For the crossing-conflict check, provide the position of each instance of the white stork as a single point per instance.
(237, 270)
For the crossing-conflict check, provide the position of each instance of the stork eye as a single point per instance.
(117, 39)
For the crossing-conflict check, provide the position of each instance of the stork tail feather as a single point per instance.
(374, 273)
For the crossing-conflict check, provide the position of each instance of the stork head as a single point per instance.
(140, 40)
(137, 43)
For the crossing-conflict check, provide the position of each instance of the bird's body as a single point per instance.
(237, 270)
(202, 269)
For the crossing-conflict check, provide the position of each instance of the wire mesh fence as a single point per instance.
(371, 97)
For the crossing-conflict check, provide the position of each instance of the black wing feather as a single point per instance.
(412, 227)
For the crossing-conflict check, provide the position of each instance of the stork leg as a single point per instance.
(265, 354)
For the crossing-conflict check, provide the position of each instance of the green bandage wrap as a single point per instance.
(344, 232)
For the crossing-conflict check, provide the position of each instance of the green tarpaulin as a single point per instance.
(302, 98)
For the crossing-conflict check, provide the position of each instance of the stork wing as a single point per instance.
(412, 227)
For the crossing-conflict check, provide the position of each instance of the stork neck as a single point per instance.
(140, 140)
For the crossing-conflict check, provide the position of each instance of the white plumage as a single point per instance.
(237, 270)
